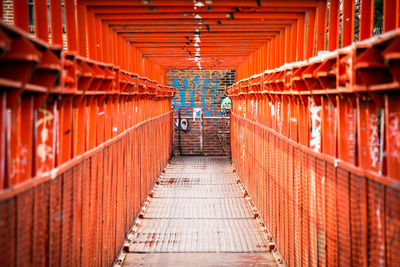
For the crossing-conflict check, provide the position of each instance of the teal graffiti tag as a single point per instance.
(213, 93)
(196, 85)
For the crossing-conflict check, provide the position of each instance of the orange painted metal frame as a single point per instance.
(320, 135)
(329, 160)
(70, 146)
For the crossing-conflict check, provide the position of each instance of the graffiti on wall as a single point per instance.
(199, 89)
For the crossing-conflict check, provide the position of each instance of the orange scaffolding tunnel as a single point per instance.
(87, 124)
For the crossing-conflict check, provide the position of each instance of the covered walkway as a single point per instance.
(296, 100)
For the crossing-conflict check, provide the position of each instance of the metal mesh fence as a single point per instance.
(81, 216)
(317, 212)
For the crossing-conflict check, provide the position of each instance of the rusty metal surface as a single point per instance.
(197, 217)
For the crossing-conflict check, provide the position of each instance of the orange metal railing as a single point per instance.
(81, 144)
(316, 144)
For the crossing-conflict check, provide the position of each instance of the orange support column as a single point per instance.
(281, 47)
(274, 53)
(333, 32)
(287, 52)
(293, 43)
(79, 125)
(390, 15)
(91, 35)
(3, 120)
(392, 134)
(56, 22)
(346, 130)
(21, 16)
(304, 121)
(41, 23)
(348, 22)
(108, 118)
(368, 138)
(329, 126)
(64, 152)
(321, 26)
(310, 33)
(105, 42)
(70, 25)
(45, 149)
(91, 107)
(26, 135)
(301, 27)
(366, 19)
(100, 120)
(20, 140)
(13, 144)
(99, 39)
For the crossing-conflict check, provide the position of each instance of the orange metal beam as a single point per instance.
(195, 22)
(21, 16)
(348, 22)
(390, 15)
(41, 23)
(56, 22)
(255, 15)
(182, 10)
(321, 26)
(310, 44)
(70, 24)
(366, 19)
(333, 32)
(227, 3)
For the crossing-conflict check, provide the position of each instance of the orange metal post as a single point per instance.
(105, 43)
(3, 119)
(41, 23)
(310, 45)
(79, 125)
(56, 22)
(21, 16)
(70, 24)
(390, 15)
(24, 171)
(99, 39)
(321, 26)
(45, 136)
(300, 38)
(348, 22)
(366, 19)
(293, 43)
(90, 35)
(333, 32)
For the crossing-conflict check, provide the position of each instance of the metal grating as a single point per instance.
(198, 235)
(194, 178)
(197, 206)
(197, 191)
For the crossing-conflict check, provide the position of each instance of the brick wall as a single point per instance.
(201, 89)
(8, 15)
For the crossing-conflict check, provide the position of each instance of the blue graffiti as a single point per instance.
(196, 85)
(213, 92)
